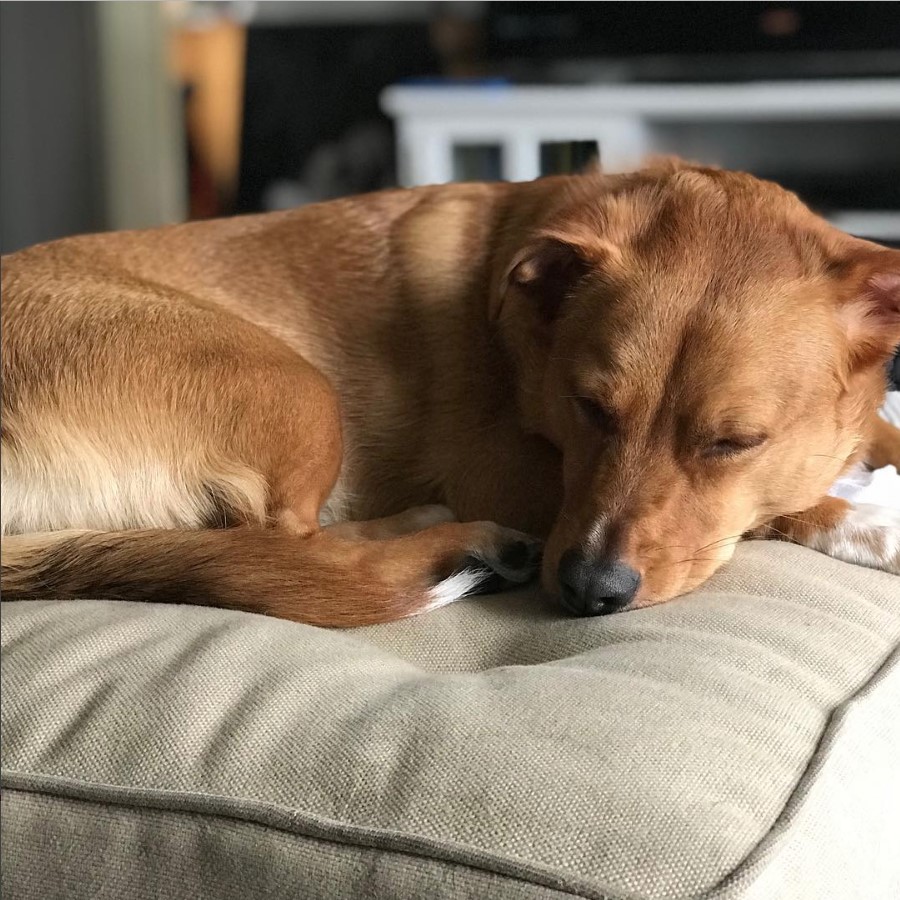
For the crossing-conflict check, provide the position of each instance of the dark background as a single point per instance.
(311, 75)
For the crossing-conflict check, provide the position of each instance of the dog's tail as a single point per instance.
(319, 580)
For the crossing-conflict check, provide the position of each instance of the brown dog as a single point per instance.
(639, 369)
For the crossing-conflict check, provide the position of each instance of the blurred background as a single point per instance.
(133, 114)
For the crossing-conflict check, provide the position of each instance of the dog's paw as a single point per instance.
(868, 535)
(498, 559)
(515, 560)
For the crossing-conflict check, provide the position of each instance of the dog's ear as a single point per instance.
(543, 273)
(869, 309)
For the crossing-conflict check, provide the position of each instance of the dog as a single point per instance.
(608, 379)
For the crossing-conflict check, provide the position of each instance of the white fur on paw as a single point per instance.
(868, 535)
(455, 587)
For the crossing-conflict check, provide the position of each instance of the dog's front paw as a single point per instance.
(495, 559)
(867, 535)
(512, 559)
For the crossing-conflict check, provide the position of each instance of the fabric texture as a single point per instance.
(740, 742)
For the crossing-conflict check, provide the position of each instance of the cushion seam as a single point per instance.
(782, 827)
(298, 824)
(305, 824)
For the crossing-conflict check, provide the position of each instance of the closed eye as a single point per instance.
(597, 414)
(734, 446)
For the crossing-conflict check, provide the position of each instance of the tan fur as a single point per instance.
(353, 359)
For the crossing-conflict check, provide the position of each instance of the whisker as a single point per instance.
(663, 547)
(681, 562)
(732, 537)
(693, 559)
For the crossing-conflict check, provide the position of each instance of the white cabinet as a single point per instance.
(810, 130)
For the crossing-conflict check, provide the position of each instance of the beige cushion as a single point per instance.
(740, 742)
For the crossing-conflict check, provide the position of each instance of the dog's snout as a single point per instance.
(596, 587)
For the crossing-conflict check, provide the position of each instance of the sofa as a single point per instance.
(739, 742)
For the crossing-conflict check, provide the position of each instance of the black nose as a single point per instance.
(595, 587)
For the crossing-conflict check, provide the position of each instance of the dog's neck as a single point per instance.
(423, 439)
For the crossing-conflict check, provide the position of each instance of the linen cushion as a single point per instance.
(740, 742)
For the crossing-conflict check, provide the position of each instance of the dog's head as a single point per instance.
(704, 351)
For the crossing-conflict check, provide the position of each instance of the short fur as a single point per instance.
(644, 366)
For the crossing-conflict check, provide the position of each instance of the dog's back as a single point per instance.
(594, 359)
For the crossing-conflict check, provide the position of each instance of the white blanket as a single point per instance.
(878, 488)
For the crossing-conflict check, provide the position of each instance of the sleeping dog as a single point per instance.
(364, 409)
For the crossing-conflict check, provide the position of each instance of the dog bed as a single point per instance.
(740, 742)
